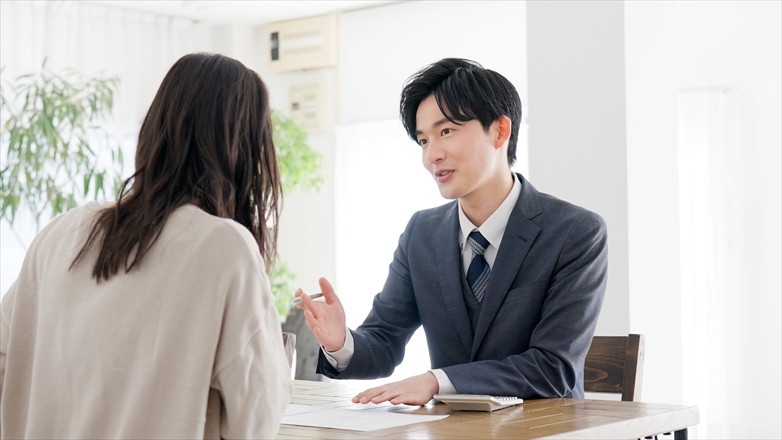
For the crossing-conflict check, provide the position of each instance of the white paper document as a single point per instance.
(295, 408)
(356, 418)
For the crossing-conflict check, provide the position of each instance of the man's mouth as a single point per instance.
(443, 175)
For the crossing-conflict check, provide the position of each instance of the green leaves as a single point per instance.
(282, 288)
(300, 166)
(300, 170)
(53, 158)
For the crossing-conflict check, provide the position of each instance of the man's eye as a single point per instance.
(446, 131)
(422, 142)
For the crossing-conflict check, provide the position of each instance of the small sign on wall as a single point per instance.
(307, 105)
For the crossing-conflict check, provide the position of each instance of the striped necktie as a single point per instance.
(479, 271)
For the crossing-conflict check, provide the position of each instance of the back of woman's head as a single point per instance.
(206, 140)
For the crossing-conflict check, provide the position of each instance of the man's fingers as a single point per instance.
(328, 291)
(397, 400)
(320, 335)
(387, 395)
(310, 320)
(376, 395)
(366, 395)
(297, 294)
(308, 303)
(414, 390)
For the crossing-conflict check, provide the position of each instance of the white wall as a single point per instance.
(652, 188)
(381, 47)
(577, 141)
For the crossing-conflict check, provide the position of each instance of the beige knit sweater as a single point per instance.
(187, 346)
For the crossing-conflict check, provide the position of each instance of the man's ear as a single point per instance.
(503, 131)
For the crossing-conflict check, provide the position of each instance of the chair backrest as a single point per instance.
(614, 364)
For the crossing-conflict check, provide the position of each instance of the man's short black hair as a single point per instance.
(464, 91)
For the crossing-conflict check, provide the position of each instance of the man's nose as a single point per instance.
(435, 152)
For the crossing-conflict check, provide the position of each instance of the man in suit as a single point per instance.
(506, 281)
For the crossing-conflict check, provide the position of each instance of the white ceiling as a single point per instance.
(244, 12)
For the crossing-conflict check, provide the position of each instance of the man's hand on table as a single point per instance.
(416, 390)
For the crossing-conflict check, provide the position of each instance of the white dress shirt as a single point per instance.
(492, 229)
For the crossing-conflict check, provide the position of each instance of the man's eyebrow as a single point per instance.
(441, 122)
(436, 124)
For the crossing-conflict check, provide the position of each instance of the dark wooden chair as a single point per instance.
(615, 364)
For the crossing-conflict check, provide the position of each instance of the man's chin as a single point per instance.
(450, 195)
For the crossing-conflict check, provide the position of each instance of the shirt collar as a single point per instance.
(494, 226)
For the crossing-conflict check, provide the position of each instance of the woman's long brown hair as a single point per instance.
(206, 140)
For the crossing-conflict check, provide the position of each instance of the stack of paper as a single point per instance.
(356, 418)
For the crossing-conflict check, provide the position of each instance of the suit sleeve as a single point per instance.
(553, 364)
(379, 343)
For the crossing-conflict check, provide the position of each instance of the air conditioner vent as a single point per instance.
(307, 43)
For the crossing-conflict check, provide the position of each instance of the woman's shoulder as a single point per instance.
(217, 232)
(69, 223)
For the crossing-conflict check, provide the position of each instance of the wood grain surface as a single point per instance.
(544, 418)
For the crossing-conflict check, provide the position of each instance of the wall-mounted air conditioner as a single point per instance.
(307, 43)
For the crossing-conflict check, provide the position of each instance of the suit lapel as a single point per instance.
(517, 240)
(448, 265)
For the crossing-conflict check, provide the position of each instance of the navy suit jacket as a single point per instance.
(536, 321)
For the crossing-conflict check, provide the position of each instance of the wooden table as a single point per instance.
(543, 418)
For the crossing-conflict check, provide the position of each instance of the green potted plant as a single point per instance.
(56, 156)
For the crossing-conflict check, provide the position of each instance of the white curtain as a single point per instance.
(139, 47)
(731, 361)
(96, 40)
(705, 200)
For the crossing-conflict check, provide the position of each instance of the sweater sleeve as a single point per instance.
(255, 389)
(251, 371)
(4, 332)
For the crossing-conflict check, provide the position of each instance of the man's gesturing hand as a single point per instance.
(325, 319)
(416, 390)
